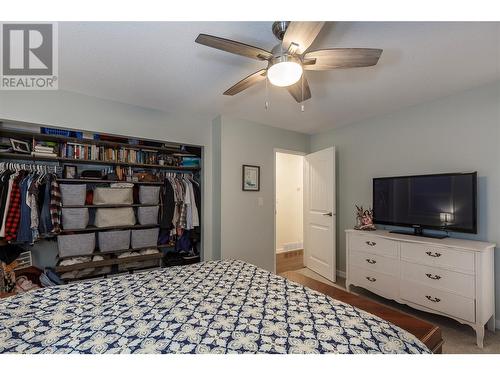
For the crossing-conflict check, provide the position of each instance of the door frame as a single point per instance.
(282, 151)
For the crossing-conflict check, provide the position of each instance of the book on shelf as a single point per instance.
(79, 151)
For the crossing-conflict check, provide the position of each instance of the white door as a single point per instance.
(319, 212)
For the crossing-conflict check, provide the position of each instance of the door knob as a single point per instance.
(328, 214)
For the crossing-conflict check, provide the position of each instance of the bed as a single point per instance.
(214, 307)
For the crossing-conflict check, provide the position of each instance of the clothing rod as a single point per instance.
(30, 166)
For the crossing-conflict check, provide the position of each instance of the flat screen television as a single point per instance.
(439, 201)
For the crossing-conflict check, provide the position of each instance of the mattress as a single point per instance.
(214, 307)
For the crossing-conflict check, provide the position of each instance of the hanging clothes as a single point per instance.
(24, 226)
(45, 226)
(167, 206)
(14, 211)
(7, 203)
(55, 206)
(4, 191)
(180, 211)
(30, 202)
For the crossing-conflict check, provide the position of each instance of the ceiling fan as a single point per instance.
(288, 59)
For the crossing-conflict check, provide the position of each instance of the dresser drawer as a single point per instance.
(374, 262)
(438, 300)
(380, 283)
(455, 282)
(438, 256)
(373, 245)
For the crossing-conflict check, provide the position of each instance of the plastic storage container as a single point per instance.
(73, 194)
(76, 244)
(75, 218)
(106, 195)
(145, 238)
(114, 240)
(149, 194)
(148, 215)
(190, 161)
(114, 217)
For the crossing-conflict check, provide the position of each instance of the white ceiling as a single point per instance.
(158, 65)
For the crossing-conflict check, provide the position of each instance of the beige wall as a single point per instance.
(289, 201)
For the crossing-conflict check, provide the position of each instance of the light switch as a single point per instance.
(260, 201)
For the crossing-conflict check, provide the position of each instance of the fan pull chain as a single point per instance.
(302, 107)
(267, 96)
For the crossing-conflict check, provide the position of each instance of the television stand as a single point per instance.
(420, 232)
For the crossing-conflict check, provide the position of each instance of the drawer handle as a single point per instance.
(371, 243)
(433, 277)
(433, 299)
(371, 279)
(371, 261)
(434, 255)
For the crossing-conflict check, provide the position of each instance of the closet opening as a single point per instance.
(289, 211)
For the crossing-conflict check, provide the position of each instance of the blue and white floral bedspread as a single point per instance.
(214, 307)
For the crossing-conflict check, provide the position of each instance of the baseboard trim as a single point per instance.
(341, 273)
(281, 251)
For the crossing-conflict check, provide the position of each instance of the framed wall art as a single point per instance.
(250, 178)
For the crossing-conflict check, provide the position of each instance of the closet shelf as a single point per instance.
(108, 262)
(95, 229)
(103, 181)
(9, 155)
(158, 247)
(169, 148)
(112, 205)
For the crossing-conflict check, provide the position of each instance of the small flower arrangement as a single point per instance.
(364, 219)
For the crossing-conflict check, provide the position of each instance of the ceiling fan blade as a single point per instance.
(334, 58)
(300, 35)
(233, 46)
(296, 90)
(246, 82)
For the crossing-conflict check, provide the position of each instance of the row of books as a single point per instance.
(93, 152)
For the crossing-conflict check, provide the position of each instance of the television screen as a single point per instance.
(444, 201)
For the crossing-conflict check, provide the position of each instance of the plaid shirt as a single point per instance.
(14, 212)
(55, 206)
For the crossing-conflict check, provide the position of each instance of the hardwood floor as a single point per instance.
(289, 261)
(426, 332)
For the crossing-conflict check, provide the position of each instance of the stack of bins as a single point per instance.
(74, 218)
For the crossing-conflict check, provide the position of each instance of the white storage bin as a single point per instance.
(73, 194)
(75, 218)
(114, 240)
(106, 195)
(148, 215)
(149, 194)
(113, 217)
(76, 244)
(145, 238)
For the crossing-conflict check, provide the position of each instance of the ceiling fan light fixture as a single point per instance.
(285, 72)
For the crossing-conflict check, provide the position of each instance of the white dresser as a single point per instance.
(450, 277)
